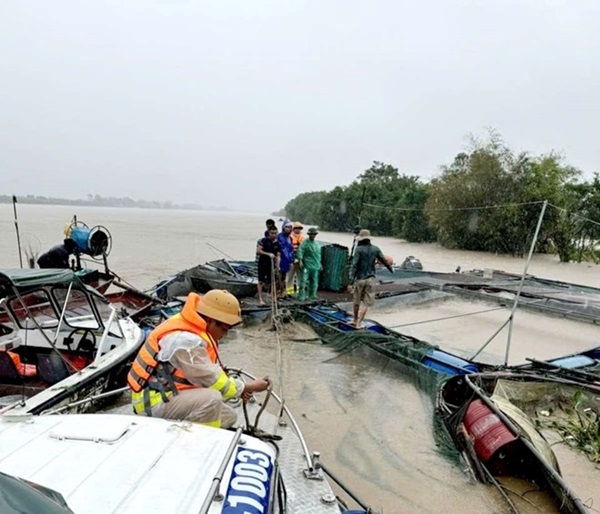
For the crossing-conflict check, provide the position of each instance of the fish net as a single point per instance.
(405, 354)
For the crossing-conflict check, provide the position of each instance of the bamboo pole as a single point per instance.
(14, 200)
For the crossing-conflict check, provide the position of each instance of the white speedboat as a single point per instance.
(60, 341)
(113, 463)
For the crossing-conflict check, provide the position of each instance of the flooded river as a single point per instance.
(372, 426)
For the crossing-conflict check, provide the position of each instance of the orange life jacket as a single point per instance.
(146, 369)
(296, 240)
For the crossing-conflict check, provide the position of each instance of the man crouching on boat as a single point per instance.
(177, 373)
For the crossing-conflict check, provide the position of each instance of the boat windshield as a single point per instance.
(37, 304)
(53, 306)
(6, 324)
(78, 312)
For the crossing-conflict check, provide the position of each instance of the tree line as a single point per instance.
(488, 198)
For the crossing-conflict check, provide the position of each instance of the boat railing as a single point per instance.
(218, 478)
(307, 454)
(40, 328)
(62, 313)
(102, 344)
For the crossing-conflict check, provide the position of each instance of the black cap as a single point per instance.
(357, 229)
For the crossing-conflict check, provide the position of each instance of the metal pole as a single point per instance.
(216, 482)
(220, 251)
(489, 340)
(515, 305)
(344, 487)
(62, 314)
(14, 199)
(85, 400)
(362, 201)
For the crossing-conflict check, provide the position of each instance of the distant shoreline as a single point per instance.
(99, 201)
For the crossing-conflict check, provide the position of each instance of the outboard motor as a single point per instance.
(411, 263)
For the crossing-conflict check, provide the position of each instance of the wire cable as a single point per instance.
(575, 214)
(447, 317)
(476, 208)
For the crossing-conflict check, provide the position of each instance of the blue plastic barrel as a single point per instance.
(448, 364)
(81, 236)
(574, 362)
(93, 241)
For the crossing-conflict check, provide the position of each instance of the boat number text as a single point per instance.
(250, 483)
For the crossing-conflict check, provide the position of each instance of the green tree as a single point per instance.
(464, 202)
(383, 188)
(306, 207)
(548, 178)
(412, 224)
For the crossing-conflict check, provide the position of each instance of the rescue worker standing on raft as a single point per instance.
(309, 261)
(177, 373)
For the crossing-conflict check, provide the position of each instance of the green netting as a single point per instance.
(578, 423)
(407, 351)
(535, 397)
(406, 354)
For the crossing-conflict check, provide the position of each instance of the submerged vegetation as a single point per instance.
(487, 199)
(582, 429)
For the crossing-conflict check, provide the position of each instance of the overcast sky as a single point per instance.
(248, 103)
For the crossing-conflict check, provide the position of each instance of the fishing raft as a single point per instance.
(500, 443)
(334, 325)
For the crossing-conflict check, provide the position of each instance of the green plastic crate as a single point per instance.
(334, 259)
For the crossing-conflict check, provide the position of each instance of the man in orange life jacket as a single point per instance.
(177, 373)
(294, 273)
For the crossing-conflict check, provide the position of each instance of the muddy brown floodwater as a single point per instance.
(371, 424)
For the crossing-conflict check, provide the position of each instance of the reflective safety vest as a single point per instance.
(152, 381)
(296, 240)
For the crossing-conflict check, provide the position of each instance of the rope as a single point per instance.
(478, 208)
(574, 214)
(446, 317)
(275, 323)
(481, 207)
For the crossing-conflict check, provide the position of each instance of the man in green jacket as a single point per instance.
(309, 259)
(362, 274)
